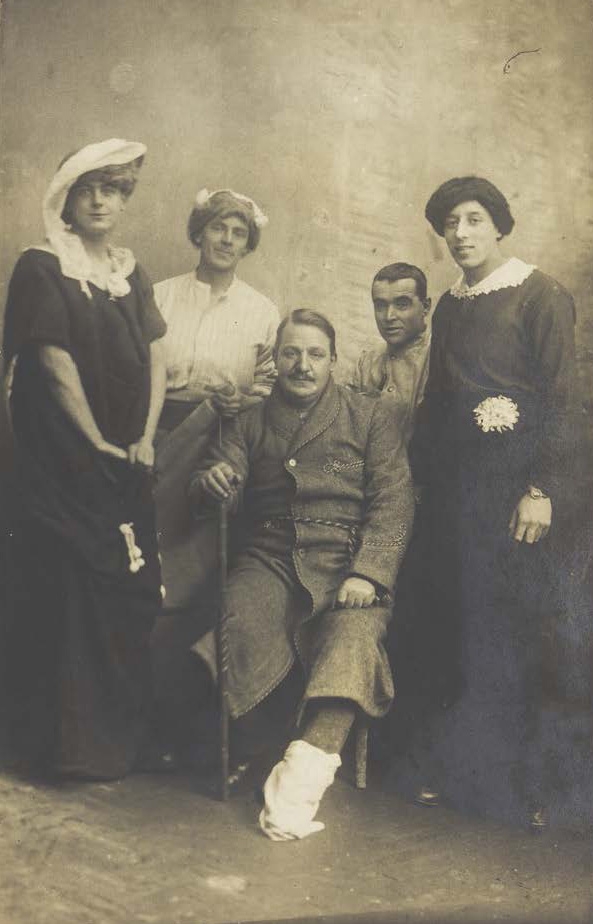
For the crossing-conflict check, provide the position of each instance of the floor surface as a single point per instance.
(162, 850)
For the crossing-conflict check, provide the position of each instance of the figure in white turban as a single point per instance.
(218, 351)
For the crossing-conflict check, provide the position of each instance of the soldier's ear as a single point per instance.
(427, 304)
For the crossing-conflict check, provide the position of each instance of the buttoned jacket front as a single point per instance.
(346, 473)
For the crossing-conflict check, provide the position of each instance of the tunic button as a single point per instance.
(390, 388)
(302, 553)
(292, 462)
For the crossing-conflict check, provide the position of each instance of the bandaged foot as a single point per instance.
(294, 789)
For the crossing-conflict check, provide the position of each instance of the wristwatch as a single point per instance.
(536, 493)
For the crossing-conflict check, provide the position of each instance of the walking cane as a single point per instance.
(222, 654)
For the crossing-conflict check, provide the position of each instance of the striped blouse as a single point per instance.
(210, 341)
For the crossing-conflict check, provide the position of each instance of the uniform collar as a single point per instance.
(418, 343)
(281, 415)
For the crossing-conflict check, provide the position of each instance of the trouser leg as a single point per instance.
(328, 723)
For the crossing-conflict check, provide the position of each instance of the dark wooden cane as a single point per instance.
(222, 654)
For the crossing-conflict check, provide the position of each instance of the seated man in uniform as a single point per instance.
(400, 369)
(322, 477)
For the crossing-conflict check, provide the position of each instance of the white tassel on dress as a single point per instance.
(134, 552)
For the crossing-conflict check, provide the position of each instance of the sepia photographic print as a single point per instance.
(296, 505)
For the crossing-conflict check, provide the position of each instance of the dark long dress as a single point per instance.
(80, 621)
(494, 614)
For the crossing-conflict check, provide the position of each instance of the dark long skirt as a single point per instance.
(503, 636)
(78, 670)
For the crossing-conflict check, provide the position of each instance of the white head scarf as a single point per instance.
(65, 243)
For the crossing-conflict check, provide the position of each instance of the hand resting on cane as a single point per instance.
(229, 400)
(226, 401)
(220, 482)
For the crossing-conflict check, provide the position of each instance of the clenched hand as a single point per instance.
(356, 593)
(531, 519)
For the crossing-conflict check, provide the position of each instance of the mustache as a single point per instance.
(302, 376)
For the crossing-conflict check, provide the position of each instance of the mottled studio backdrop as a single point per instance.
(338, 116)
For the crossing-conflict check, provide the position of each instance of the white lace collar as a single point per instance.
(509, 275)
(77, 265)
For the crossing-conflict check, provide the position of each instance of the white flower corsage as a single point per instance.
(500, 413)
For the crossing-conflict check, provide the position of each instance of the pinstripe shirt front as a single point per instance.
(212, 340)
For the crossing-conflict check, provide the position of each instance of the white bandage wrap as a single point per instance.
(294, 790)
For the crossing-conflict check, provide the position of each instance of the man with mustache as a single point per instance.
(322, 477)
(400, 369)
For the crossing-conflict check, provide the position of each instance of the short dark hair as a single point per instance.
(469, 189)
(311, 318)
(396, 271)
